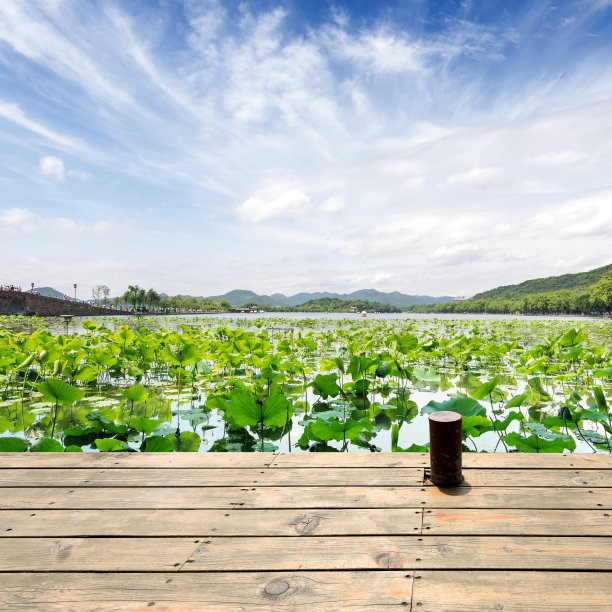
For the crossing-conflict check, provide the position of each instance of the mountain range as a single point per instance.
(240, 297)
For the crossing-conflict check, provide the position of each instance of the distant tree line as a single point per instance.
(553, 284)
(335, 305)
(139, 298)
(594, 299)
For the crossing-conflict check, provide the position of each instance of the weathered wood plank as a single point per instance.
(81, 523)
(477, 477)
(135, 460)
(134, 497)
(222, 592)
(517, 522)
(394, 552)
(469, 460)
(218, 477)
(428, 497)
(440, 591)
(305, 477)
(96, 554)
(299, 460)
(304, 497)
(314, 553)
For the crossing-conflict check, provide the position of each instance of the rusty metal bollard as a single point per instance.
(445, 448)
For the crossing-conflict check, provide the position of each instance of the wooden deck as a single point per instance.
(325, 531)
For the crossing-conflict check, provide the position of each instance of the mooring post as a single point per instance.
(445, 448)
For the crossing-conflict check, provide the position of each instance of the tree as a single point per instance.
(104, 292)
(99, 292)
(134, 295)
(152, 298)
(600, 295)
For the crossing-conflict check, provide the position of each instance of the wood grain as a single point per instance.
(222, 592)
(478, 477)
(79, 523)
(228, 554)
(428, 497)
(517, 522)
(394, 552)
(135, 460)
(305, 477)
(541, 591)
(304, 498)
(298, 460)
(480, 460)
(218, 477)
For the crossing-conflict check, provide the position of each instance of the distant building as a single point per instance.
(459, 298)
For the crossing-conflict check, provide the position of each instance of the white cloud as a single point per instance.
(275, 202)
(14, 113)
(457, 254)
(17, 221)
(13, 220)
(561, 158)
(333, 204)
(52, 166)
(478, 178)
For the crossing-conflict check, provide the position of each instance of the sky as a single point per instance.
(200, 146)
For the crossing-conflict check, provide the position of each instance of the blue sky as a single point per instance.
(199, 146)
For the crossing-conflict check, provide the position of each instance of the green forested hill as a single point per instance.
(580, 280)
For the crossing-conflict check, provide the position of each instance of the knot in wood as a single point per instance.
(278, 587)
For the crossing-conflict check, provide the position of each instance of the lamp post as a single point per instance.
(31, 287)
(75, 292)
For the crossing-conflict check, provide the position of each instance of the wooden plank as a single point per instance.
(218, 477)
(299, 460)
(512, 591)
(96, 554)
(134, 497)
(477, 477)
(305, 477)
(394, 552)
(517, 522)
(81, 523)
(135, 460)
(428, 497)
(222, 592)
(314, 553)
(476, 460)
(304, 498)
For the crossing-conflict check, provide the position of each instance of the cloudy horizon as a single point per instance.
(200, 146)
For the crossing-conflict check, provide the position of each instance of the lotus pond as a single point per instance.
(290, 384)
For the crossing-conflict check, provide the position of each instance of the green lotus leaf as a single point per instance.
(110, 445)
(603, 372)
(134, 394)
(462, 405)
(384, 369)
(13, 445)
(325, 385)
(47, 445)
(189, 442)
(158, 444)
(59, 391)
(485, 390)
(145, 426)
